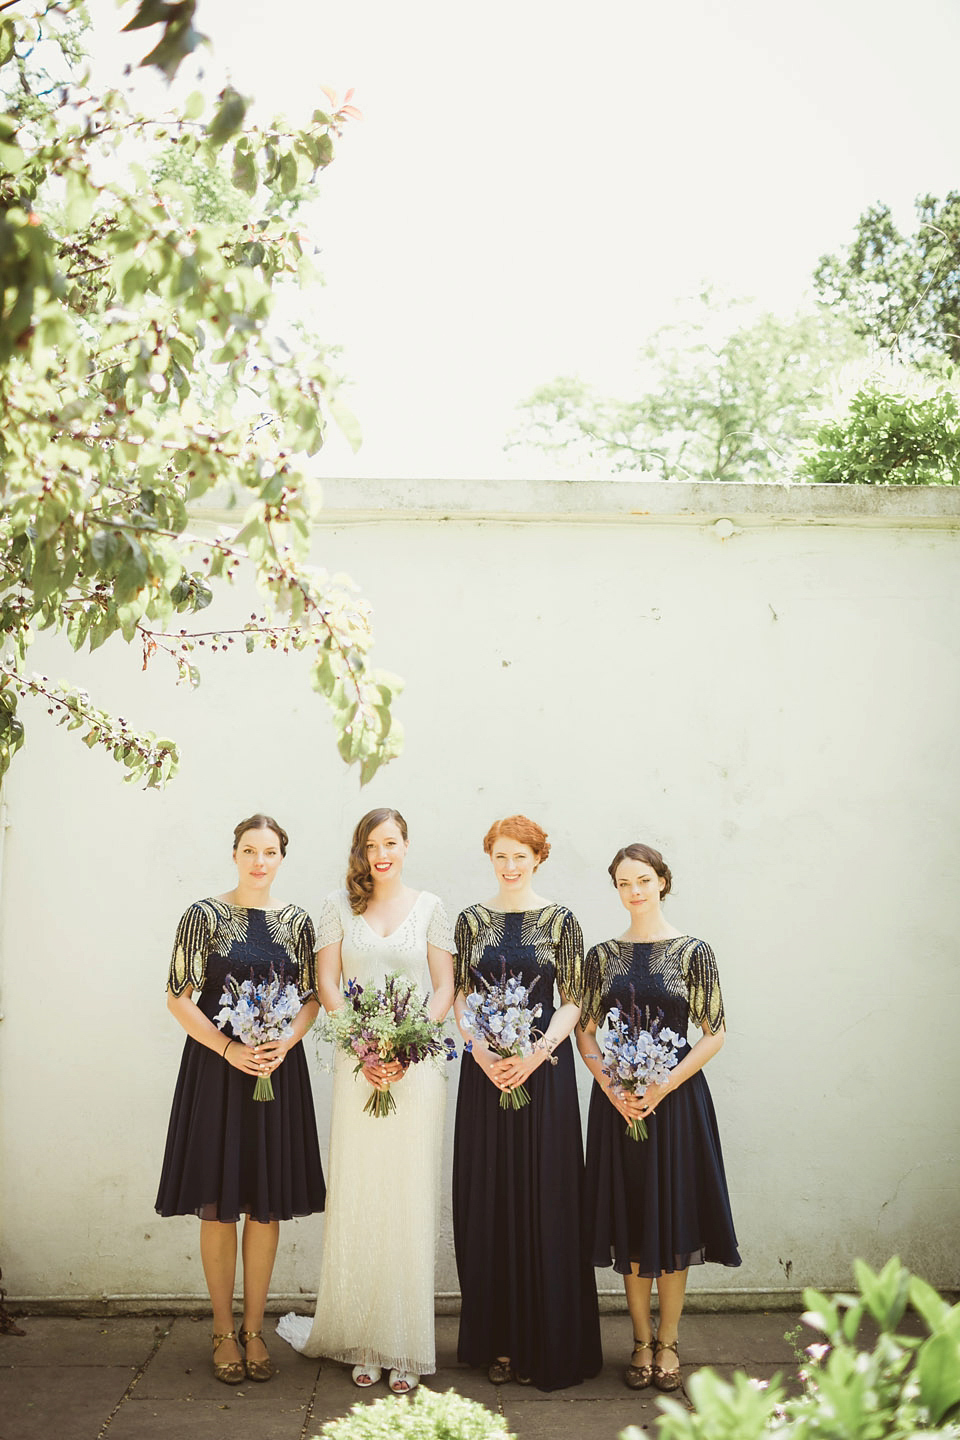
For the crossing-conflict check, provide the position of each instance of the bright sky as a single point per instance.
(534, 181)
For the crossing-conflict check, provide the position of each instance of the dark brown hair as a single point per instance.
(518, 827)
(261, 822)
(648, 856)
(359, 874)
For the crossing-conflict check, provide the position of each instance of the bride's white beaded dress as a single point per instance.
(375, 1302)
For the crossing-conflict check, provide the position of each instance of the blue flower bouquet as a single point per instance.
(259, 1011)
(636, 1056)
(502, 1017)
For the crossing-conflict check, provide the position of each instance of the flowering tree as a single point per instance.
(141, 369)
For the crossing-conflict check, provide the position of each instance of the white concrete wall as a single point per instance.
(775, 709)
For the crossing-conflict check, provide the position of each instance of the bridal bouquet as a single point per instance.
(259, 1011)
(502, 1017)
(391, 1023)
(636, 1057)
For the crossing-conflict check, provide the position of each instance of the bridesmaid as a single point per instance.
(376, 1300)
(228, 1155)
(529, 1300)
(655, 1206)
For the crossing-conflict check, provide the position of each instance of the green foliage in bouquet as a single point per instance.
(427, 1416)
(889, 438)
(904, 1386)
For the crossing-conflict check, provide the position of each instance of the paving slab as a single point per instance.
(69, 1402)
(182, 1369)
(140, 1377)
(739, 1339)
(239, 1417)
(473, 1384)
(61, 1339)
(585, 1419)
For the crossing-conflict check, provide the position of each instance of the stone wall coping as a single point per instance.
(358, 501)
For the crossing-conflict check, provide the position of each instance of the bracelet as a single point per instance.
(223, 1053)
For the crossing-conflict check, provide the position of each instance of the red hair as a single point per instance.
(518, 827)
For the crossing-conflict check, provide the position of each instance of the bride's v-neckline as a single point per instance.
(390, 934)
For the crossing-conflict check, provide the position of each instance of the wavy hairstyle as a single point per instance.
(518, 827)
(648, 856)
(260, 822)
(359, 874)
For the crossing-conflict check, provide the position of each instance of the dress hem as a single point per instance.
(295, 1330)
(697, 1259)
(241, 1215)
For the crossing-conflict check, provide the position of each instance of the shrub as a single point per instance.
(904, 1385)
(888, 438)
(427, 1416)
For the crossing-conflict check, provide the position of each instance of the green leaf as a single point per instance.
(288, 173)
(12, 158)
(8, 39)
(347, 423)
(179, 37)
(925, 1299)
(938, 1374)
(369, 768)
(149, 12)
(885, 1295)
(228, 118)
(244, 173)
(194, 105)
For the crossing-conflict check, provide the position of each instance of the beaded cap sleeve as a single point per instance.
(330, 922)
(678, 975)
(439, 930)
(215, 929)
(699, 965)
(552, 932)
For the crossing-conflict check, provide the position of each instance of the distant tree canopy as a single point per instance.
(752, 405)
(901, 291)
(141, 368)
(715, 401)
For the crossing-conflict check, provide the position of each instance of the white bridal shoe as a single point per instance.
(365, 1375)
(401, 1382)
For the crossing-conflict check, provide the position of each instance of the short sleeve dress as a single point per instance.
(659, 1204)
(227, 1154)
(375, 1301)
(527, 1288)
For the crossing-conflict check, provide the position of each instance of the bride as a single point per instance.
(375, 1306)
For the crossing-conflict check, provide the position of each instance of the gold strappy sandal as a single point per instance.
(666, 1379)
(232, 1372)
(638, 1377)
(256, 1369)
